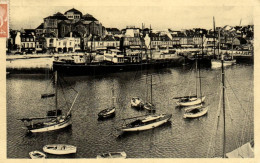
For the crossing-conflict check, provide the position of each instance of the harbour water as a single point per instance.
(182, 138)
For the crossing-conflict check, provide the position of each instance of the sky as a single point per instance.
(161, 14)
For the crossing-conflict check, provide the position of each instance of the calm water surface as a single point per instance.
(182, 138)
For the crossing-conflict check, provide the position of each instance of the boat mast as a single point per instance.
(150, 42)
(214, 28)
(56, 92)
(223, 98)
(151, 89)
(196, 75)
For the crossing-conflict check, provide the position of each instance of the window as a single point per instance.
(27, 45)
(27, 39)
(32, 45)
(31, 39)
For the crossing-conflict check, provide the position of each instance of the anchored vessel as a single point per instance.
(113, 155)
(146, 123)
(54, 119)
(194, 99)
(60, 149)
(37, 155)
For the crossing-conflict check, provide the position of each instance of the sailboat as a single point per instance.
(149, 106)
(145, 122)
(246, 150)
(54, 119)
(193, 99)
(109, 112)
(227, 61)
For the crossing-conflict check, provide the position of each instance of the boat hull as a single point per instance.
(199, 114)
(94, 69)
(37, 155)
(217, 63)
(60, 149)
(53, 127)
(191, 103)
(148, 126)
(112, 155)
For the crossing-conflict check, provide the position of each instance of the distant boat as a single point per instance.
(37, 155)
(137, 102)
(227, 61)
(146, 123)
(215, 63)
(54, 119)
(60, 149)
(113, 155)
(195, 112)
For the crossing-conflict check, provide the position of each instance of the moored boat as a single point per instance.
(113, 155)
(190, 101)
(196, 112)
(137, 102)
(37, 155)
(217, 63)
(60, 149)
(106, 113)
(146, 123)
(54, 119)
(149, 106)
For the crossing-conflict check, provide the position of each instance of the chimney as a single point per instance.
(70, 34)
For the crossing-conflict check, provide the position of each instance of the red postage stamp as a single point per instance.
(3, 20)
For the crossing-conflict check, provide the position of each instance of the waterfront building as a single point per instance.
(94, 43)
(27, 41)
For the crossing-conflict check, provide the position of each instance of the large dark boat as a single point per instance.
(114, 61)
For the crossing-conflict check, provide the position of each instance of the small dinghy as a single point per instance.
(114, 155)
(196, 112)
(37, 155)
(59, 149)
(137, 102)
(109, 112)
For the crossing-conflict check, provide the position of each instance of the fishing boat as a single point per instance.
(195, 112)
(60, 149)
(113, 155)
(149, 106)
(37, 155)
(137, 102)
(54, 120)
(146, 123)
(193, 99)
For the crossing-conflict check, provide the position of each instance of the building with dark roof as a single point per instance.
(73, 14)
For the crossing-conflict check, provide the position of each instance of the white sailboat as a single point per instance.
(194, 99)
(108, 112)
(149, 106)
(227, 61)
(146, 122)
(54, 119)
(244, 151)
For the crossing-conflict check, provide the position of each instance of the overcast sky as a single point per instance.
(161, 14)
